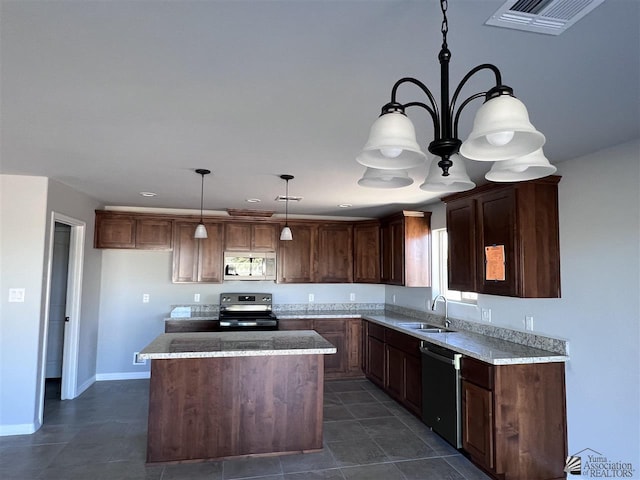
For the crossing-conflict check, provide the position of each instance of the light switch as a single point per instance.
(145, 298)
(312, 297)
(16, 295)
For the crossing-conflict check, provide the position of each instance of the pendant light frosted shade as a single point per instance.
(201, 231)
(376, 178)
(501, 130)
(457, 181)
(392, 144)
(285, 234)
(528, 167)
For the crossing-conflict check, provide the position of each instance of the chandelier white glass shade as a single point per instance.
(201, 230)
(501, 129)
(285, 234)
(392, 144)
(456, 181)
(377, 178)
(527, 167)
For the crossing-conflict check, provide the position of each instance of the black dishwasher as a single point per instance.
(441, 407)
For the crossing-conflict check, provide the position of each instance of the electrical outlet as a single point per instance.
(196, 297)
(312, 297)
(145, 298)
(352, 297)
(486, 314)
(528, 322)
(16, 295)
(138, 361)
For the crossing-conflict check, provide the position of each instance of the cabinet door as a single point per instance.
(115, 231)
(477, 424)
(461, 237)
(185, 254)
(335, 253)
(366, 246)
(297, 256)
(210, 254)
(354, 336)
(386, 254)
(154, 234)
(375, 360)
(413, 384)
(496, 213)
(237, 237)
(394, 374)
(397, 252)
(335, 332)
(264, 237)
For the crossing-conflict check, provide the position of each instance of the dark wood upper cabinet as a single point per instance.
(518, 219)
(406, 249)
(318, 253)
(253, 237)
(198, 260)
(366, 252)
(296, 258)
(129, 230)
(335, 253)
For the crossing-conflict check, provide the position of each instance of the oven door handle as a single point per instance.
(224, 323)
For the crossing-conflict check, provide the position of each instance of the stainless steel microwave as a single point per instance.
(249, 266)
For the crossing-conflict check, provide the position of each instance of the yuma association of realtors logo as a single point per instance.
(591, 463)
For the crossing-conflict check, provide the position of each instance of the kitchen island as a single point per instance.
(226, 394)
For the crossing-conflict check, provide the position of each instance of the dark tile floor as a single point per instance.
(102, 435)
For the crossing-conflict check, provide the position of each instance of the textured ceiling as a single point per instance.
(117, 97)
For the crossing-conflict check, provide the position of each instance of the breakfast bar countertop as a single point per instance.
(236, 344)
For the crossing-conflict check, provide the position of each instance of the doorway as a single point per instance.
(57, 311)
(61, 329)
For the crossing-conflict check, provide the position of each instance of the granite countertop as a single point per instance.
(236, 344)
(483, 347)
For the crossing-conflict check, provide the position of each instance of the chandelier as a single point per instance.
(502, 133)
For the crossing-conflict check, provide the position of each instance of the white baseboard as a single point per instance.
(85, 385)
(22, 429)
(101, 377)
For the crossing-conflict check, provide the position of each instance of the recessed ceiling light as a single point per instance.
(253, 200)
(345, 205)
(148, 194)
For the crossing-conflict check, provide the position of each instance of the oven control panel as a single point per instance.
(245, 299)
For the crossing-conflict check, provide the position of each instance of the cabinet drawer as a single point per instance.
(296, 324)
(477, 372)
(376, 331)
(402, 341)
(329, 325)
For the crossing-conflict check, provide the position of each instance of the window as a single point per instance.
(440, 282)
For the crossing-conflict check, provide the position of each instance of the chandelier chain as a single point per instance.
(444, 5)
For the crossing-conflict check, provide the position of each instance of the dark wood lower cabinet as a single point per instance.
(342, 333)
(393, 363)
(514, 419)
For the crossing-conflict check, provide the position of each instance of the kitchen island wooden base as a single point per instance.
(211, 408)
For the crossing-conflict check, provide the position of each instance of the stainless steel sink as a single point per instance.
(414, 325)
(434, 329)
(424, 327)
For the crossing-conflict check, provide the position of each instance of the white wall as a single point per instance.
(127, 324)
(25, 215)
(23, 209)
(599, 312)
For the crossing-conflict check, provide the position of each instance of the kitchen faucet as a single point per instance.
(446, 309)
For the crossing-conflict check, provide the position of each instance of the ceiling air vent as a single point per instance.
(541, 16)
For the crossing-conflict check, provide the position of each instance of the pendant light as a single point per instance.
(501, 129)
(201, 231)
(285, 234)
